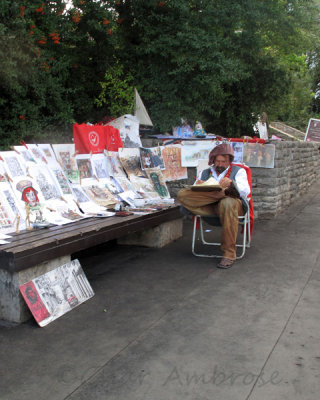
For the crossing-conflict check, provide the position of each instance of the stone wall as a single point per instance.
(296, 167)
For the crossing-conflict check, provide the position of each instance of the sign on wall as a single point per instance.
(313, 131)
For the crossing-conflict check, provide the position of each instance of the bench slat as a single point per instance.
(33, 247)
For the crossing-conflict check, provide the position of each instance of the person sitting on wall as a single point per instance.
(226, 203)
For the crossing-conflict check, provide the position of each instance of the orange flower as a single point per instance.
(22, 10)
(55, 37)
(31, 33)
(110, 31)
(40, 9)
(45, 66)
(82, 2)
(43, 40)
(106, 21)
(22, 117)
(76, 18)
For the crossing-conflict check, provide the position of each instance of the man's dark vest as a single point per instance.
(206, 173)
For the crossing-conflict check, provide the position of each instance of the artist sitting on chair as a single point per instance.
(226, 203)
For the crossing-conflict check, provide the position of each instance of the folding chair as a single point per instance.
(213, 220)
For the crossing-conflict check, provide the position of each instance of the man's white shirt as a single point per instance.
(240, 179)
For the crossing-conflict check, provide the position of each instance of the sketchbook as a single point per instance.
(209, 185)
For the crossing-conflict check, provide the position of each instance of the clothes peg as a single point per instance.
(23, 143)
(8, 177)
(14, 149)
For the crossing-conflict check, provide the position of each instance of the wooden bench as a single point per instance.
(32, 253)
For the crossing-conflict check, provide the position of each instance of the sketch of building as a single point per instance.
(14, 166)
(48, 189)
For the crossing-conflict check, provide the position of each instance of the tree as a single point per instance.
(217, 61)
(52, 61)
(220, 62)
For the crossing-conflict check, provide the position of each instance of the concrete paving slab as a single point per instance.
(167, 325)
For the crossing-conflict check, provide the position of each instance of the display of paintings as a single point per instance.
(128, 197)
(25, 153)
(51, 295)
(259, 155)
(128, 126)
(100, 195)
(158, 182)
(113, 186)
(238, 151)
(84, 166)
(80, 194)
(61, 179)
(63, 213)
(13, 164)
(142, 185)
(151, 157)
(202, 164)
(84, 202)
(126, 184)
(100, 166)
(192, 151)
(172, 162)
(9, 221)
(37, 153)
(3, 172)
(48, 152)
(65, 155)
(4, 238)
(48, 186)
(10, 199)
(115, 165)
(30, 199)
(130, 160)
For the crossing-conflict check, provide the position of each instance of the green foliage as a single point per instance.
(221, 62)
(117, 92)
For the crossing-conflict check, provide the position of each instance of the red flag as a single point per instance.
(113, 138)
(89, 138)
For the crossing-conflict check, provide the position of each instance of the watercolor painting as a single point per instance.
(172, 160)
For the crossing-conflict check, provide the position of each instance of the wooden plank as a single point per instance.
(43, 245)
(48, 235)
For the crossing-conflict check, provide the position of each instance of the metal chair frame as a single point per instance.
(244, 220)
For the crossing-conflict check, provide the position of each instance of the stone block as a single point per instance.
(12, 305)
(157, 237)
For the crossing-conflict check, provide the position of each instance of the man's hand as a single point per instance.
(225, 183)
(199, 181)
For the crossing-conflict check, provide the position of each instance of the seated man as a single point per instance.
(226, 203)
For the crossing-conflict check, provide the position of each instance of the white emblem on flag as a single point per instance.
(94, 138)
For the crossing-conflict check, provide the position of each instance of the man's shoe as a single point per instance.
(225, 263)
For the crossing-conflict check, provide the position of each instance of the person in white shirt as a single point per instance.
(227, 203)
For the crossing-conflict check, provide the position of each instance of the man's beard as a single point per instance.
(219, 169)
